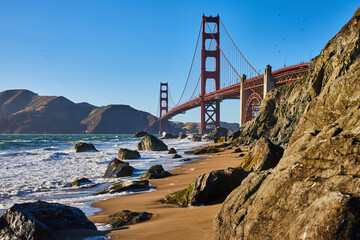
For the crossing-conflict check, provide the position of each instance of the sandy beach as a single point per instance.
(169, 221)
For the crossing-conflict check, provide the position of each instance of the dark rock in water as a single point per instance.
(154, 172)
(125, 217)
(262, 156)
(176, 156)
(124, 153)
(195, 138)
(218, 133)
(117, 168)
(140, 134)
(204, 150)
(40, 220)
(313, 192)
(208, 187)
(172, 151)
(185, 160)
(169, 136)
(125, 186)
(85, 147)
(150, 142)
(79, 182)
(237, 150)
(182, 136)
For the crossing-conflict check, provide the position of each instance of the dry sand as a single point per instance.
(169, 221)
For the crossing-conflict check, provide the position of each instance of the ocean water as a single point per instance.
(40, 167)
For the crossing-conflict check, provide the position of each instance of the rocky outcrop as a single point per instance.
(125, 186)
(126, 217)
(155, 172)
(182, 136)
(176, 156)
(140, 134)
(85, 147)
(204, 150)
(208, 187)
(41, 220)
(262, 156)
(80, 182)
(313, 192)
(218, 133)
(124, 154)
(117, 168)
(195, 138)
(169, 136)
(150, 142)
(172, 151)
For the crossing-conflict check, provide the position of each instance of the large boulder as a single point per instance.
(117, 168)
(125, 153)
(125, 186)
(195, 138)
(208, 187)
(169, 136)
(262, 156)
(80, 182)
(85, 147)
(204, 150)
(172, 151)
(126, 217)
(218, 133)
(154, 172)
(313, 192)
(150, 142)
(140, 134)
(41, 220)
(182, 136)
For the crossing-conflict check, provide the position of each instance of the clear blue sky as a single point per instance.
(117, 52)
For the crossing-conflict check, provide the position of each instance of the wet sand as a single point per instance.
(169, 221)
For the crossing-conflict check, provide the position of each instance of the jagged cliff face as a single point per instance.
(314, 192)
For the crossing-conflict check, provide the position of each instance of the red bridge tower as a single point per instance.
(164, 107)
(210, 110)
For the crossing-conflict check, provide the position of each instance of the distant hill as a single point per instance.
(118, 119)
(22, 111)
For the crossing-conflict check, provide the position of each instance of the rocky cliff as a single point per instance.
(313, 193)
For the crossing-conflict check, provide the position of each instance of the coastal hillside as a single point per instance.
(313, 192)
(22, 111)
(120, 119)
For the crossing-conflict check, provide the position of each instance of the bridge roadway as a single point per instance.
(281, 77)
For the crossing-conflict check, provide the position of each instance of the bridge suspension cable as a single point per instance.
(222, 24)
(192, 63)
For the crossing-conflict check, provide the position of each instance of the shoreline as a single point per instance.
(169, 221)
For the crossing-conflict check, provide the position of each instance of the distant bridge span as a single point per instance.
(253, 91)
(234, 70)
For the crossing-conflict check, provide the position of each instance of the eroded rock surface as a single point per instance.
(208, 187)
(125, 186)
(126, 217)
(313, 192)
(262, 156)
(40, 220)
(85, 147)
(218, 133)
(150, 142)
(154, 172)
(124, 153)
(117, 168)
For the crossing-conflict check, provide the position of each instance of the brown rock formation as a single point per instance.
(313, 193)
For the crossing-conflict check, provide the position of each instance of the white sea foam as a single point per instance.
(30, 173)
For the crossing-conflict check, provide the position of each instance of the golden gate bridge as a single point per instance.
(239, 79)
